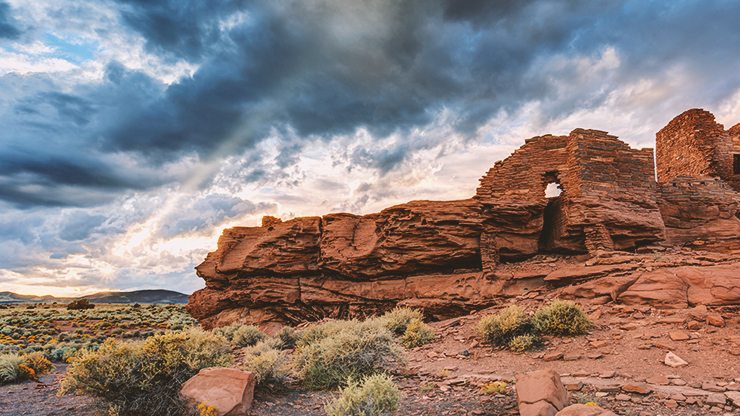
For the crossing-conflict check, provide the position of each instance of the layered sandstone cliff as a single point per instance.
(452, 257)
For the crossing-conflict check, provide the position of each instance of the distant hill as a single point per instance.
(160, 296)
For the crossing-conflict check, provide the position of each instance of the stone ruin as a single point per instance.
(451, 257)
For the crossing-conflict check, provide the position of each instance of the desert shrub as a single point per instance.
(526, 342)
(561, 317)
(287, 337)
(38, 362)
(80, 304)
(270, 365)
(144, 378)
(399, 319)
(10, 367)
(376, 395)
(417, 334)
(501, 328)
(328, 356)
(241, 335)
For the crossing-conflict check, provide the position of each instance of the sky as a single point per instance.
(133, 132)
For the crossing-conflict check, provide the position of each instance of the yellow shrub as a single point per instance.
(561, 317)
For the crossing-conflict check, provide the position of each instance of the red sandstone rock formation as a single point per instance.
(452, 257)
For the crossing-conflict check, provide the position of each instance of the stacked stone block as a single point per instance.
(694, 144)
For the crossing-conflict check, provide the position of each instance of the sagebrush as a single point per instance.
(501, 328)
(144, 378)
(417, 334)
(376, 395)
(328, 354)
(398, 319)
(561, 317)
(241, 335)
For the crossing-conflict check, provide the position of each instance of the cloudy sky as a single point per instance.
(132, 132)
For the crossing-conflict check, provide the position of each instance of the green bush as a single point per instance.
(417, 334)
(270, 365)
(399, 319)
(329, 354)
(241, 335)
(561, 317)
(375, 396)
(501, 328)
(526, 342)
(144, 378)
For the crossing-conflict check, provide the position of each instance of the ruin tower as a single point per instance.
(694, 144)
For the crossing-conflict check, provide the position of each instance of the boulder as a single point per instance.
(229, 390)
(541, 393)
(584, 410)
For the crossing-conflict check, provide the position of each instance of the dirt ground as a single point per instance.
(627, 345)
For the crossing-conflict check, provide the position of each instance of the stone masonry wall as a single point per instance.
(733, 164)
(610, 168)
(693, 144)
(524, 174)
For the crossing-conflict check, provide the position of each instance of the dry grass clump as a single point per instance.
(240, 335)
(561, 317)
(270, 365)
(526, 342)
(417, 334)
(376, 395)
(398, 319)
(19, 367)
(513, 328)
(144, 378)
(501, 328)
(330, 353)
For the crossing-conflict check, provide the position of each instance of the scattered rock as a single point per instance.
(662, 380)
(541, 393)
(693, 326)
(607, 374)
(584, 410)
(674, 360)
(716, 399)
(571, 357)
(699, 312)
(552, 356)
(711, 386)
(715, 320)
(671, 404)
(598, 344)
(734, 397)
(228, 389)
(639, 388)
(679, 336)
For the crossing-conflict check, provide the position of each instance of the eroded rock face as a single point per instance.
(453, 257)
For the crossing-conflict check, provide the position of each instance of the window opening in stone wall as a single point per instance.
(553, 190)
(736, 164)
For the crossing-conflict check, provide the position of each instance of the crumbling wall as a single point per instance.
(613, 200)
(694, 144)
(528, 170)
(733, 166)
(700, 213)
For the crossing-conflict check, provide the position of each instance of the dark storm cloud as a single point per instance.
(8, 28)
(319, 69)
(184, 31)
